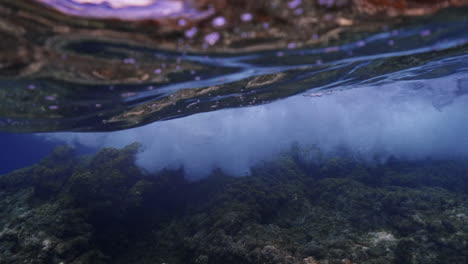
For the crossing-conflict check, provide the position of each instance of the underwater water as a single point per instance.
(287, 132)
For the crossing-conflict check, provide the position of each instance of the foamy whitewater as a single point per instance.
(409, 120)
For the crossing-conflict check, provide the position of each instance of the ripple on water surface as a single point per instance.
(64, 73)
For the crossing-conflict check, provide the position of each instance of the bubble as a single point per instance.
(191, 32)
(425, 33)
(50, 98)
(182, 22)
(246, 17)
(361, 43)
(212, 38)
(294, 4)
(129, 61)
(218, 21)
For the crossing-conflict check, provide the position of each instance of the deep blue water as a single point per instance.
(22, 150)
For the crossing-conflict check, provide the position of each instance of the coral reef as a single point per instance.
(298, 210)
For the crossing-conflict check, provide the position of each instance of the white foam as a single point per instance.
(401, 119)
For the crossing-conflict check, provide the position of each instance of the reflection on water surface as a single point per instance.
(127, 9)
(63, 74)
(118, 3)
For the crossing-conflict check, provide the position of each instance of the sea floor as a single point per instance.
(103, 209)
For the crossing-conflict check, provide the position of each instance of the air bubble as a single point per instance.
(191, 32)
(294, 4)
(218, 21)
(212, 38)
(246, 17)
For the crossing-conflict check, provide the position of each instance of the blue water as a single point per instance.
(22, 150)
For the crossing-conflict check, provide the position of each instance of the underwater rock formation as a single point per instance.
(102, 209)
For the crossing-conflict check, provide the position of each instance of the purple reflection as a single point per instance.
(219, 21)
(191, 32)
(212, 38)
(117, 3)
(129, 9)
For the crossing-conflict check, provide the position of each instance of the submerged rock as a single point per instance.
(288, 211)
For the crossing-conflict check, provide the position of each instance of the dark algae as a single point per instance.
(102, 208)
